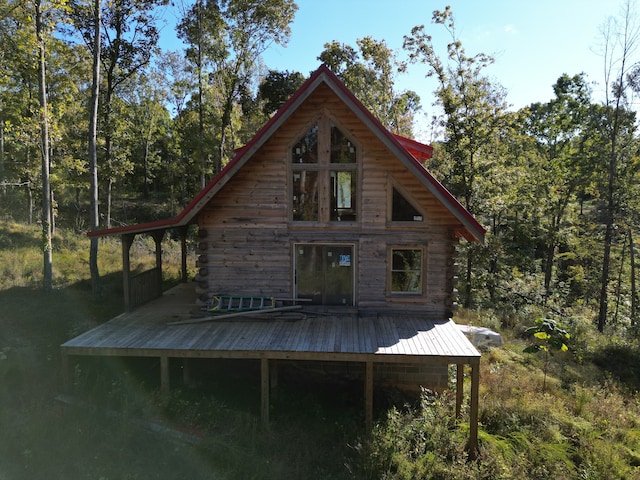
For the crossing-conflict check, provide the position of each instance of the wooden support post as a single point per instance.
(66, 373)
(183, 253)
(165, 383)
(368, 396)
(127, 241)
(473, 416)
(264, 391)
(273, 378)
(186, 371)
(459, 387)
(157, 238)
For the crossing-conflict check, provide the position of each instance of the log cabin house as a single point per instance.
(323, 206)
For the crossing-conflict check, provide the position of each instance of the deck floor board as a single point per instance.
(323, 336)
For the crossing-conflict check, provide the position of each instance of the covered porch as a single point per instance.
(372, 341)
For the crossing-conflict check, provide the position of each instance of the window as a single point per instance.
(402, 210)
(305, 195)
(406, 270)
(342, 150)
(324, 173)
(343, 193)
(306, 150)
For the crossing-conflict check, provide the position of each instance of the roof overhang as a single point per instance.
(410, 152)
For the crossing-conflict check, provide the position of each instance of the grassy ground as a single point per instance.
(584, 425)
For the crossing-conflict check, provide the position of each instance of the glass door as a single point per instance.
(324, 273)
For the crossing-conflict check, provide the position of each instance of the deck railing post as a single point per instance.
(473, 415)
(264, 391)
(165, 384)
(66, 373)
(368, 396)
(127, 241)
(459, 387)
(157, 238)
(186, 371)
(183, 253)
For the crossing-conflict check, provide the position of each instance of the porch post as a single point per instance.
(473, 417)
(264, 391)
(368, 396)
(157, 238)
(183, 251)
(186, 371)
(66, 373)
(127, 241)
(165, 384)
(459, 387)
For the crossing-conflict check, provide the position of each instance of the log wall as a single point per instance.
(250, 237)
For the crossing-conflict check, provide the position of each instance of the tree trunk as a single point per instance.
(201, 155)
(619, 283)
(145, 166)
(548, 267)
(606, 260)
(469, 274)
(2, 178)
(52, 214)
(108, 133)
(93, 150)
(609, 219)
(632, 260)
(30, 203)
(226, 122)
(44, 147)
(109, 199)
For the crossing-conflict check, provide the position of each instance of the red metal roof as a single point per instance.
(409, 151)
(420, 151)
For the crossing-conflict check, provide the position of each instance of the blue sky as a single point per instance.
(533, 42)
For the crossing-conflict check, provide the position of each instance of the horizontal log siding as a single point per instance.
(248, 250)
(250, 236)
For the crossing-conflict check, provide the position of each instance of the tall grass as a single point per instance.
(585, 425)
(21, 257)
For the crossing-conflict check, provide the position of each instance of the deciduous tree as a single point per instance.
(128, 37)
(277, 87)
(620, 42)
(473, 108)
(558, 129)
(370, 73)
(231, 35)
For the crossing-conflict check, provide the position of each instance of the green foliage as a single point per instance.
(277, 88)
(224, 42)
(585, 425)
(370, 73)
(549, 336)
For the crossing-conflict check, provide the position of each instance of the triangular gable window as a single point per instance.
(402, 210)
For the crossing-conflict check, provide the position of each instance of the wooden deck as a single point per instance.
(146, 332)
(385, 338)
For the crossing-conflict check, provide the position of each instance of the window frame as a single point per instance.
(325, 169)
(421, 291)
(391, 185)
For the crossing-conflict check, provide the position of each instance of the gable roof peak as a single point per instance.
(408, 151)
